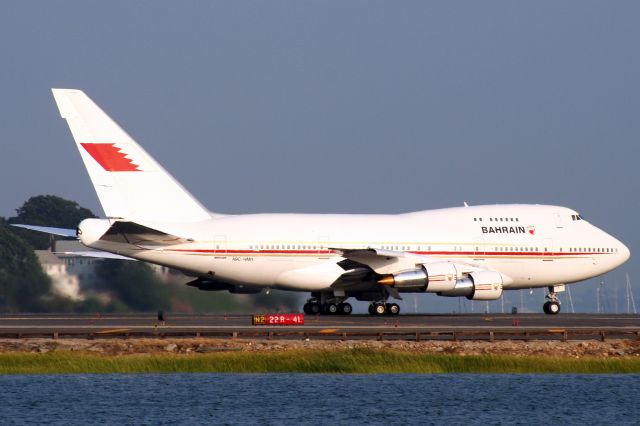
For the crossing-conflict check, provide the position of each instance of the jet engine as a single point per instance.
(431, 277)
(480, 285)
(446, 279)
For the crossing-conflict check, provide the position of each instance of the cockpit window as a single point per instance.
(576, 217)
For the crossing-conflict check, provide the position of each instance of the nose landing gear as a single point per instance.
(552, 305)
(551, 308)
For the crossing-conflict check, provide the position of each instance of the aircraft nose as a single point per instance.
(624, 253)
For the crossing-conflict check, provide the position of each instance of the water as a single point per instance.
(301, 399)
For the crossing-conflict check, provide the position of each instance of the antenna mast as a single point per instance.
(630, 300)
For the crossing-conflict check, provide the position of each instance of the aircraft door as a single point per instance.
(557, 217)
(478, 247)
(323, 247)
(547, 249)
(220, 246)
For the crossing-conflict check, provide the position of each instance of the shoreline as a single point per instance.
(205, 355)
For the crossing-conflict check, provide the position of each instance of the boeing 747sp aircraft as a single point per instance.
(475, 252)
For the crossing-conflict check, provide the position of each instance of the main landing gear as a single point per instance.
(330, 303)
(314, 307)
(380, 308)
(552, 305)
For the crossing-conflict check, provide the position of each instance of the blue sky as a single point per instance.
(339, 106)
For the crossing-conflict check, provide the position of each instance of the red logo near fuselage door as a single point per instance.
(531, 229)
(110, 157)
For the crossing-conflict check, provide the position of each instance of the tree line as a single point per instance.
(118, 285)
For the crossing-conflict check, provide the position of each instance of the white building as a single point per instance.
(69, 272)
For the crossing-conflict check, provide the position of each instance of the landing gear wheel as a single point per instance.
(331, 308)
(551, 308)
(379, 309)
(314, 308)
(345, 308)
(371, 311)
(393, 308)
(305, 309)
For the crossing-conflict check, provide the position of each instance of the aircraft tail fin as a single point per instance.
(129, 182)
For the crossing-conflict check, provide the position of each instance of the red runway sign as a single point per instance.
(278, 319)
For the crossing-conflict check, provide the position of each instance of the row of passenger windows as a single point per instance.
(571, 249)
(418, 248)
(592, 249)
(284, 247)
(498, 219)
(404, 248)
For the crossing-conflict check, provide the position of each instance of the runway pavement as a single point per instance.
(187, 323)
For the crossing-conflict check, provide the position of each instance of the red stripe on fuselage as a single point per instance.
(423, 253)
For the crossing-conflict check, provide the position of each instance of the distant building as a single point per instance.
(69, 272)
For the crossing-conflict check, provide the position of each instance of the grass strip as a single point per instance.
(350, 361)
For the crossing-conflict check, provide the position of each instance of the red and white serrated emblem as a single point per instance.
(110, 157)
(531, 230)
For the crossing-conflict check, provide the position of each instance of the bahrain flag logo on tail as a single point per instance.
(110, 157)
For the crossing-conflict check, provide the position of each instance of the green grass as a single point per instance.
(299, 361)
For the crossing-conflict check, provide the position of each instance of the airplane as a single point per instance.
(475, 252)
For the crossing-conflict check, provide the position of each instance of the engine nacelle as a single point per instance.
(481, 285)
(445, 279)
(431, 277)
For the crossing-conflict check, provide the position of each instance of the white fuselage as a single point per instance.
(530, 245)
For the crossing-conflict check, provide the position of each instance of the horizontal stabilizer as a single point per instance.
(94, 253)
(63, 232)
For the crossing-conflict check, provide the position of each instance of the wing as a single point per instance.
(63, 232)
(389, 261)
(383, 261)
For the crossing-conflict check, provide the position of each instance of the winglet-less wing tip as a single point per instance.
(63, 232)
